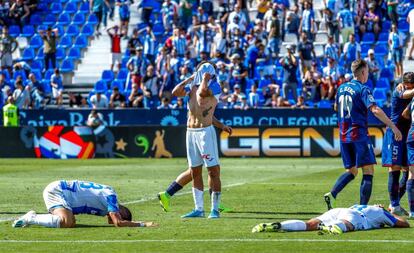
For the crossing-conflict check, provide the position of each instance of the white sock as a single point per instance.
(342, 226)
(293, 225)
(215, 200)
(198, 199)
(46, 220)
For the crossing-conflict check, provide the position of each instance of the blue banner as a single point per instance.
(129, 117)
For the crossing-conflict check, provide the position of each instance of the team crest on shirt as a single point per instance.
(207, 157)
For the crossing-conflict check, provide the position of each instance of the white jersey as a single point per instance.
(374, 216)
(81, 197)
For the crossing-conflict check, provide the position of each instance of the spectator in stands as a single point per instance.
(108, 11)
(410, 20)
(262, 7)
(251, 57)
(134, 42)
(300, 103)
(237, 49)
(307, 24)
(311, 82)
(137, 66)
(49, 49)
(169, 15)
(36, 92)
(237, 16)
(233, 102)
(76, 101)
(331, 24)
(238, 92)
(97, 7)
(57, 86)
(371, 21)
(290, 67)
(99, 101)
(268, 92)
(392, 10)
(165, 104)
(332, 49)
(352, 51)
(374, 67)
(179, 104)
(179, 42)
(306, 53)
(223, 75)
(116, 56)
(95, 119)
(242, 105)
(346, 23)
(136, 97)
(328, 88)
(149, 45)
(280, 102)
(124, 15)
(149, 84)
(4, 13)
(19, 12)
(238, 71)
(274, 35)
(21, 95)
(5, 86)
(185, 12)
(32, 5)
(293, 21)
(395, 42)
(254, 97)
(203, 40)
(22, 65)
(202, 16)
(8, 45)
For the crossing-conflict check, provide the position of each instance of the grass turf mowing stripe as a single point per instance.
(211, 240)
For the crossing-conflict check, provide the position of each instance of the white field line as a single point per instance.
(178, 194)
(212, 240)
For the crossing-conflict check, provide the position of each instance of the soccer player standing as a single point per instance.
(353, 101)
(201, 139)
(394, 153)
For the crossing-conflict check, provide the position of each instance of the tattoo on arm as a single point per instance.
(206, 111)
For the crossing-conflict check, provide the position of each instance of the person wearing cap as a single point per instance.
(290, 67)
(116, 53)
(331, 49)
(203, 91)
(374, 66)
(99, 100)
(396, 43)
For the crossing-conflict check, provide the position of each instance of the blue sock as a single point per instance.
(403, 183)
(410, 194)
(366, 189)
(341, 182)
(173, 188)
(393, 187)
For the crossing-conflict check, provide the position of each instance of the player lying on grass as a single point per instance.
(339, 220)
(185, 177)
(65, 199)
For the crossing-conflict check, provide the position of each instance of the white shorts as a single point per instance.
(116, 57)
(202, 147)
(56, 92)
(6, 60)
(335, 215)
(53, 197)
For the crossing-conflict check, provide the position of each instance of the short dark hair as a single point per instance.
(125, 213)
(408, 77)
(358, 65)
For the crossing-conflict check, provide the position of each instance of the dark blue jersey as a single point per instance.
(353, 101)
(398, 104)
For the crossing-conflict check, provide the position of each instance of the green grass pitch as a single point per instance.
(258, 190)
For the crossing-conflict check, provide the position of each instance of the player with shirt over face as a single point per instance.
(394, 153)
(339, 220)
(64, 199)
(201, 140)
(353, 101)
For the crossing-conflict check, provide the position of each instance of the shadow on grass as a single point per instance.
(275, 213)
(93, 226)
(13, 212)
(255, 218)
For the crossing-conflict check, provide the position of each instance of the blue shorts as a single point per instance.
(397, 54)
(410, 153)
(357, 154)
(393, 152)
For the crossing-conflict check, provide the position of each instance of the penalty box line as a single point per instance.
(247, 240)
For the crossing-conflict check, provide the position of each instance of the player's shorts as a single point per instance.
(56, 92)
(124, 17)
(53, 196)
(393, 152)
(410, 153)
(397, 54)
(116, 58)
(335, 216)
(6, 60)
(202, 147)
(357, 154)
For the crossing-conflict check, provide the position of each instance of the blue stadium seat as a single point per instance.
(122, 74)
(28, 31)
(403, 25)
(36, 41)
(84, 8)
(40, 55)
(37, 73)
(66, 41)
(74, 53)
(383, 83)
(35, 19)
(67, 66)
(100, 86)
(42, 7)
(48, 74)
(108, 76)
(92, 19)
(383, 38)
(81, 41)
(49, 20)
(64, 1)
(387, 73)
(47, 89)
(60, 53)
(118, 83)
(14, 30)
(381, 50)
(87, 30)
(79, 18)
(368, 38)
(158, 29)
(28, 54)
(37, 64)
(64, 19)
(386, 26)
(325, 104)
(42, 28)
(380, 94)
(73, 30)
(56, 8)
(71, 7)
(60, 29)
(364, 50)
(21, 73)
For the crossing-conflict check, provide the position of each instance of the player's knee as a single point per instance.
(394, 168)
(368, 170)
(353, 171)
(312, 224)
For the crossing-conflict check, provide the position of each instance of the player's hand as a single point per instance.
(397, 133)
(227, 129)
(206, 76)
(400, 87)
(148, 224)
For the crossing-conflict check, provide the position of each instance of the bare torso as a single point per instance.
(200, 110)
